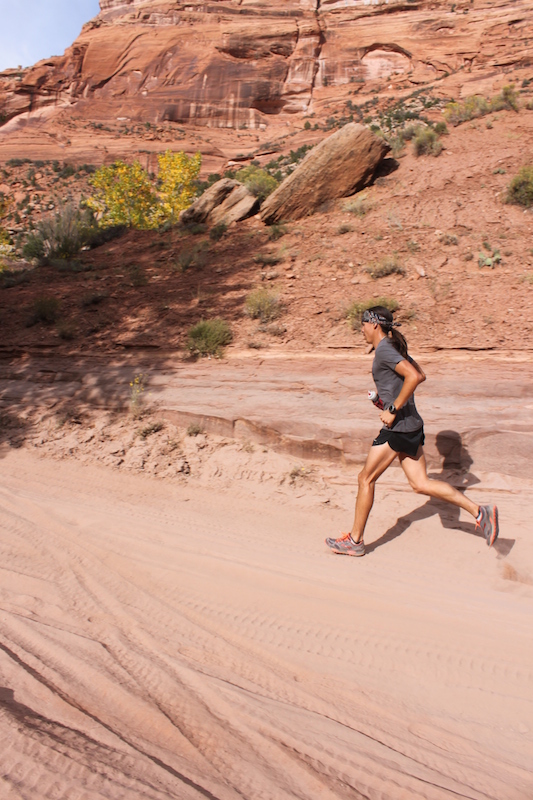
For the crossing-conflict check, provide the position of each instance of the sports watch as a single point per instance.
(392, 409)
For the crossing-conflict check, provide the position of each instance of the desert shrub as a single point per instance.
(344, 228)
(6, 247)
(90, 299)
(257, 180)
(60, 236)
(441, 129)
(360, 205)
(193, 228)
(263, 304)
(218, 231)
(426, 143)
(18, 162)
(409, 132)
(471, 108)
(100, 236)
(355, 310)
(67, 172)
(520, 191)
(209, 337)
(397, 145)
(45, 309)
(194, 429)
(33, 247)
(151, 428)
(138, 276)
(276, 231)
(477, 106)
(66, 330)
(387, 266)
(192, 257)
(448, 238)
(506, 99)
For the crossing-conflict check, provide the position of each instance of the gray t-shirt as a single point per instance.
(389, 385)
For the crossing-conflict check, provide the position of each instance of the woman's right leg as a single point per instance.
(379, 458)
(416, 472)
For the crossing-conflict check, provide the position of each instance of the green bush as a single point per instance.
(477, 106)
(520, 191)
(192, 257)
(218, 231)
(257, 181)
(45, 309)
(397, 145)
(209, 337)
(100, 236)
(263, 304)
(426, 143)
(471, 108)
(448, 238)
(355, 310)
(360, 205)
(276, 231)
(387, 266)
(506, 99)
(60, 236)
(344, 228)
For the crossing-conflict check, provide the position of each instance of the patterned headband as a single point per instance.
(374, 317)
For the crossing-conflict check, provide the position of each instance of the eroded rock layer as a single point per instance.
(236, 63)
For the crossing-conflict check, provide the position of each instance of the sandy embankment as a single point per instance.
(191, 637)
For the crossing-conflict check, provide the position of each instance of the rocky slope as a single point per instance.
(245, 64)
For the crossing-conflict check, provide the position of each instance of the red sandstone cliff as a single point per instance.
(241, 63)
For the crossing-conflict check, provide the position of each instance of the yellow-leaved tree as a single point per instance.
(177, 172)
(125, 195)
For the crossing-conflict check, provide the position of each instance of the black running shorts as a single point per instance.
(407, 443)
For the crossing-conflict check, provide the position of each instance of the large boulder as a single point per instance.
(339, 166)
(226, 201)
(238, 204)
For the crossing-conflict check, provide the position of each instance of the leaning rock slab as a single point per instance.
(339, 166)
(239, 204)
(200, 210)
(225, 201)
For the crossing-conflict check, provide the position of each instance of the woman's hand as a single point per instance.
(387, 418)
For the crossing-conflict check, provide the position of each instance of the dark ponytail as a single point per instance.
(397, 340)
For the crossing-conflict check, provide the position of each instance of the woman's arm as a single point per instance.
(412, 377)
(418, 369)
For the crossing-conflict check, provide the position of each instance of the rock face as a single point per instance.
(239, 63)
(225, 202)
(337, 167)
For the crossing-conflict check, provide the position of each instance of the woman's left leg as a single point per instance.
(416, 472)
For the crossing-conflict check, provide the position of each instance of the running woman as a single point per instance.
(396, 376)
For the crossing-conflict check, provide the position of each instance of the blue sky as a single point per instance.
(35, 29)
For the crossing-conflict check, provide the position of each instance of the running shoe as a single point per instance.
(345, 546)
(489, 523)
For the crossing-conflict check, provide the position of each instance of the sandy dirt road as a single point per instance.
(163, 640)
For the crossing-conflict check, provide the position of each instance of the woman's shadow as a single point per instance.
(455, 470)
